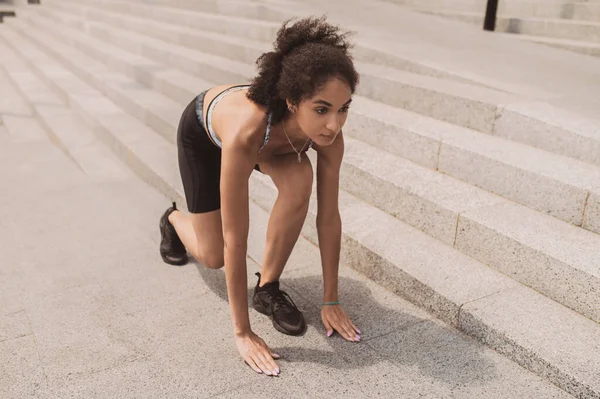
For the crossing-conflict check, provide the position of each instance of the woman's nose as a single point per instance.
(334, 125)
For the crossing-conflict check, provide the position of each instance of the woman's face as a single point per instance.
(322, 117)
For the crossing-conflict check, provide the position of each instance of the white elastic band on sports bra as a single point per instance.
(210, 110)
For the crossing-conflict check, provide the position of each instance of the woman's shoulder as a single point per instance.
(241, 119)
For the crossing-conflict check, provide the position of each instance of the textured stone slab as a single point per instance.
(23, 128)
(21, 373)
(591, 219)
(455, 363)
(465, 105)
(540, 336)
(555, 185)
(62, 325)
(14, 325)
(423, 198)
(551, 128)
(535, 249)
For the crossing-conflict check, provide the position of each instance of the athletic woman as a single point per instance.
(299, 100)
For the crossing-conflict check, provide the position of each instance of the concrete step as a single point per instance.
(588, 31)
(536, 175)
(141, 148)
(124, 91)
(465, 154)
(562, 29)
(429, 201)
(61, 125)
(452, 285)
(587, 48)
(532, 123)
(562, 9)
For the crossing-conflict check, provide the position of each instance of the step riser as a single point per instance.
(264, 32)
(236, 8)
(567, 203)
(575, 289)
(590, 33)
(412, 209)
(538, 192)
(583, 31)
(593, 51)
(194, 41)
(518, 127)
(445, 107)
(407, 144)
(565, 10)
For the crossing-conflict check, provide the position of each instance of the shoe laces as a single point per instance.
(280, 299)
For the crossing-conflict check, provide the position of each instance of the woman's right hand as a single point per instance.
(257, 354)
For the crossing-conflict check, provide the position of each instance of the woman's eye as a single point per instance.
(345, 109)
(321, 111)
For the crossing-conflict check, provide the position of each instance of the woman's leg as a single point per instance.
(294, 183)
(202, 236)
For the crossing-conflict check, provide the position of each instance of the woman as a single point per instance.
(299, 100)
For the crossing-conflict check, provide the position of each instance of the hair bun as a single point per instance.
(309, 30)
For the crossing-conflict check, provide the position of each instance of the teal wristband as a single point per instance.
(331, 303)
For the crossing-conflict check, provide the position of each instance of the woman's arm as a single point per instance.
(237, 162)
(329, 222)
(329, 227)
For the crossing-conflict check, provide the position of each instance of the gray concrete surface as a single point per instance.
(90, 311)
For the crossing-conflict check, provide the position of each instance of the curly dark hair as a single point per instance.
(306, 55)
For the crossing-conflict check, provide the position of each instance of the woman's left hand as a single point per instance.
(334, 318)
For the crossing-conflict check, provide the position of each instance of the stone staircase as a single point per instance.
(566, 24)
(477, 203)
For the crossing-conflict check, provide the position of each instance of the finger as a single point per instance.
(354, 327)
(253, 365)
(348, 332)
(274, 355)
(340, 328)
(328, 327)
(352, 330)
(268, 361)
(259, 362)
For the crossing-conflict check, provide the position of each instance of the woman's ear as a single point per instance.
(291, 107)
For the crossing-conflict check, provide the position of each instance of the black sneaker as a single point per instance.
(172, 249)
(271, 301)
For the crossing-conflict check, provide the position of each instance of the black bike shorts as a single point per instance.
(199, 161)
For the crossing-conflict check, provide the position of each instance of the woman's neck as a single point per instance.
(290, 127)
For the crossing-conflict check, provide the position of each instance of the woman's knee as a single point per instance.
(214, 261)
(208, 257)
